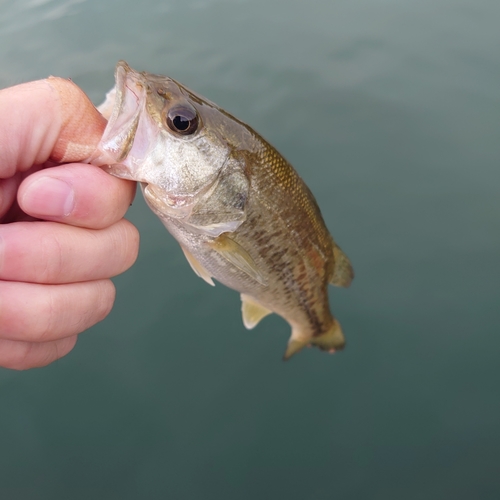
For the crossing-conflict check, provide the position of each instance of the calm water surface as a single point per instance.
(390, 112)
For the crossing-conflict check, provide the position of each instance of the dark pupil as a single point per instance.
(181, 122)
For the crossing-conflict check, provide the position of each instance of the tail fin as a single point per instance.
(332, 340)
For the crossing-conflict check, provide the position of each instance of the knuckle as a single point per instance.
(44, 314)
(125, 244)
(26, 355)
(20, 355)
(70, 312)
(51, 258)
(17, 362)
(105, 299)
(48, 314)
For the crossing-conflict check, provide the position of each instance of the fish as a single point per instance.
(240, 212)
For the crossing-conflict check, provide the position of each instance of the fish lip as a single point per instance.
(165, 203)
(176, 205)
(127, 100)
(121, 71)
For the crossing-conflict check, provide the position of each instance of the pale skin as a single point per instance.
(62, 231)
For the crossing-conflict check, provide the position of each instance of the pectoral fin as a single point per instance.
(237, 256)
(252, 312)
(343, 272)
(197, 267)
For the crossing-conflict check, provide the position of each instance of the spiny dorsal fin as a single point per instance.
(343, 272)
(237, 256)
(197, 267)
(252, 312)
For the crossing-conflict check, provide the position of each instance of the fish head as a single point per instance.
(164, 136)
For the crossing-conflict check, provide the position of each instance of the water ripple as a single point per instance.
(19, 15)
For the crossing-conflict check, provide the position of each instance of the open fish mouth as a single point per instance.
(136, 145)
(126, 140)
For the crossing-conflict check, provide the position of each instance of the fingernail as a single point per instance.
(48, 197)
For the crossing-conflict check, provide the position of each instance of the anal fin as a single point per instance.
(197, 267)
(252, 312)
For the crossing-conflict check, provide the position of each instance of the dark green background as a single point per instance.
(390, 111)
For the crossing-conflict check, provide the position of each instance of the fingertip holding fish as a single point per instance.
(82, 125)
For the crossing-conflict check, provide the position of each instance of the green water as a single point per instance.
(390, 112)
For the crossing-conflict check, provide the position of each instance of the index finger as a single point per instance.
(49, 119)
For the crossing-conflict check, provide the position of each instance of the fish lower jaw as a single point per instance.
(116, 170)
(176, 206)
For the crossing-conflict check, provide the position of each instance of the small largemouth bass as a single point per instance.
(238, 209)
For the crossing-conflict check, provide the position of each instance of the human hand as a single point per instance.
(62, 232)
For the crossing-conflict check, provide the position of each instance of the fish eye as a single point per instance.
(183, 120)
